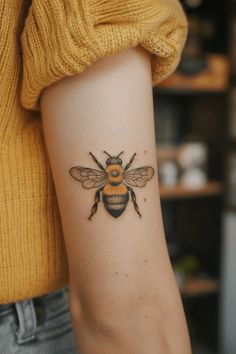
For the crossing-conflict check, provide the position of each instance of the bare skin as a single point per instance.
(123, 295)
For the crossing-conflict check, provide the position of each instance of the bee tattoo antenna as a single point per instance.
(107, 154)
(120, 154)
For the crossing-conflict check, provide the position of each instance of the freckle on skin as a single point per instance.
(145, 260)
(116, 273)
(144, 199)
(126, 275)
(145, 151)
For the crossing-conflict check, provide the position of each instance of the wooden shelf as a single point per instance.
(200, 286)
(179, 91)
(214, 79)
(211, 188)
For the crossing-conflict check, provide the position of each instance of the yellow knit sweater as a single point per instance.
(40, 42)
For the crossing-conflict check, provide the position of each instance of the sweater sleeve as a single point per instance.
(63, 37)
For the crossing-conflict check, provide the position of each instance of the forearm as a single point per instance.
(124, 297)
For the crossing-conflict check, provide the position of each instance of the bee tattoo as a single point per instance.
(114, 183)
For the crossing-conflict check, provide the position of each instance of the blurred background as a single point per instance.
(195, 112)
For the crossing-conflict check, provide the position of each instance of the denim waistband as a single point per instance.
(6, 309)
(30, 312)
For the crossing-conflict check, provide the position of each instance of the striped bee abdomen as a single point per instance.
(115, 204)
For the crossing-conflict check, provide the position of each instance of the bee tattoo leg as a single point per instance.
(130, 162)
(133, 197)
(97, 199)
(97, 162)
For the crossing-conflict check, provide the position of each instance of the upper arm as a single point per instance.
(108, 108)
(119, 267)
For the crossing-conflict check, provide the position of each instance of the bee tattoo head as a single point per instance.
(114, 183)
(113, 160)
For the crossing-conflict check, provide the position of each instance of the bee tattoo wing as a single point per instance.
(139, 176)
(89, 177)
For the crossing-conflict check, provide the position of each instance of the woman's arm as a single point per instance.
(122, 290)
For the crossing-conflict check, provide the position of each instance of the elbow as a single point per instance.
(103, 323)
(107, 328)
(114, 323)
(95, 322)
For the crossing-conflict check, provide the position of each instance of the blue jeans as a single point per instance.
(38, 326)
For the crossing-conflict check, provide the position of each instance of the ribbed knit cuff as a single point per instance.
(63, 37)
